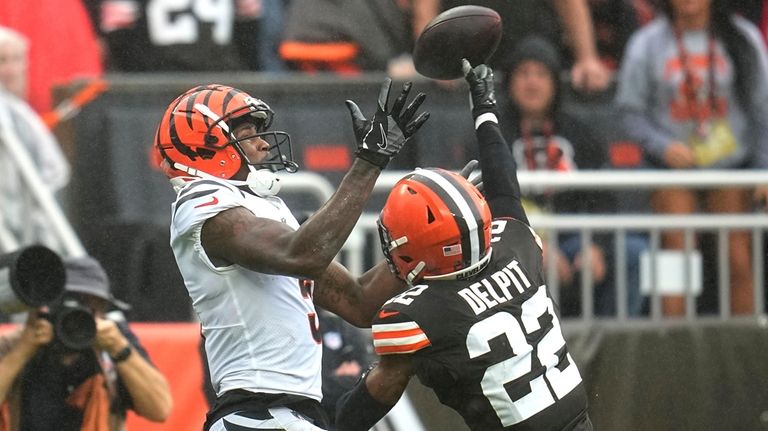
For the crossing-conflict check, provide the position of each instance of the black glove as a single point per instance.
(481, 88)
(380, 139)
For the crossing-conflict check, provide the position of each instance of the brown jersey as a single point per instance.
(490, 346)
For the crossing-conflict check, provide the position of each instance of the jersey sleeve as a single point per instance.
(395, 333)
(500, 184)
(200, 200)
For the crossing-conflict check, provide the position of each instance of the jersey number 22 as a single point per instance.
(540, 397)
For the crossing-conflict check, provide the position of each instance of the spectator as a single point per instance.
(614, 22)
(351, 36)
(259, 48)
(143, 36)
(14, 48)
(45, 385)
(253, 273)
(522, 18)
(478, 327)
(20, 213)
(75, 55)
(694, 92)
(545, 137)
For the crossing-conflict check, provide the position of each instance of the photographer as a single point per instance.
(47, 384)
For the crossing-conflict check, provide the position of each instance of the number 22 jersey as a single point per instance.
(490, 346)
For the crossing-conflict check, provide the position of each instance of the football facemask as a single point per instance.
(195, 137)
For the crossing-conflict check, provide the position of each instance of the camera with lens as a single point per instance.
(74, 326)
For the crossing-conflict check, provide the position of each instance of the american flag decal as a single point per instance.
(452, 250)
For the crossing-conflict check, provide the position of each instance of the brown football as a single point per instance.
(471, 32)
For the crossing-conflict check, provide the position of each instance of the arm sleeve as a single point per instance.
(500, 185)
(357, 410)
(394, 333)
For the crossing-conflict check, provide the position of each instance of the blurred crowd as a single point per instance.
(691, 88)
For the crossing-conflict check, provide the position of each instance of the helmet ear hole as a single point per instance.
(406, 259)
(205, 153)
(430, 216)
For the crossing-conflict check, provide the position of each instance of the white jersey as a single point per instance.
(260, 329)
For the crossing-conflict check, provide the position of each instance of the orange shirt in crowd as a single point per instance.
(62, 44)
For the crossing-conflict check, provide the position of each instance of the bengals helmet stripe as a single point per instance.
(189, 108)
(195, 136)
(467, 217)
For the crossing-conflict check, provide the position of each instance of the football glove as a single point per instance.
(382, 137)
(481, 88)
(467, 171)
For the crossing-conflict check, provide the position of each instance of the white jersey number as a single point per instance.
(511, 411)
(173, 22)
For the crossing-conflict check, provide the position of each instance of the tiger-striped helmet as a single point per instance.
(195, 134)
(435, 224)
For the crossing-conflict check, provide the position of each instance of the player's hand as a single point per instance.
(382, 137)
(481, 87)
(475, 180)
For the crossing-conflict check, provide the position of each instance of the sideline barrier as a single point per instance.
(640, 376)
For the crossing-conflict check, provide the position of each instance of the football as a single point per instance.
(471, 32)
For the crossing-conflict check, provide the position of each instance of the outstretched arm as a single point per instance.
(268, 246)
(500, 185)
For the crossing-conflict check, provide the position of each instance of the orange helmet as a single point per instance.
(195, 134)
(435, 225)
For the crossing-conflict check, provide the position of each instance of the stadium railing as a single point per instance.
(365, 240)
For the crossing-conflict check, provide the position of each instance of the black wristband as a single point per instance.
(122, 355)
(357, 409)
(378, 159)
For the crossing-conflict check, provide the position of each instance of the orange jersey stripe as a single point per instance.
(407, 348)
